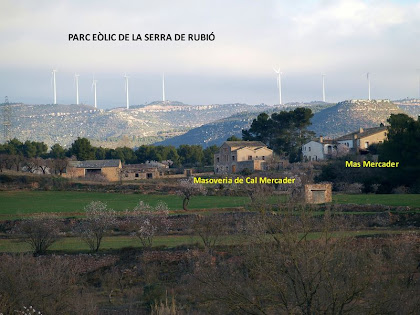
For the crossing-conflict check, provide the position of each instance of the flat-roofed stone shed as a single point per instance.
(318, 193)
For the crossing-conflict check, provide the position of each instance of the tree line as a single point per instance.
(81, 149)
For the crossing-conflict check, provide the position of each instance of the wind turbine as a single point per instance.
(94, 90)
(126, 91)
(279, 82)
(54, 86)
(76, 78)
(163, 87)
(323, 87)
(368, 79)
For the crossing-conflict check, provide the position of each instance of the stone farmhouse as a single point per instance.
(320, 149)
(143, 171)
(356, 142)
(360, 140)
(80, 169)
(236, 156)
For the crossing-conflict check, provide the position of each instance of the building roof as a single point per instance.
(365, 133)
(95, 163)
(234, 144)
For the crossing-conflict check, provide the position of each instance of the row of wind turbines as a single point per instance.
(279, 73)
(94, 82)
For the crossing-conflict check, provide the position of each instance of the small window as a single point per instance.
(385, 134)
(366, 144)
(309, 149)
(249, 157)
(137, 175)
(233, 158)
(380, 141)
(218, 159)
(263, 157)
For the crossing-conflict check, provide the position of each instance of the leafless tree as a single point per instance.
(295, 264)
(145, 222)
(99, 219)
(31, 165)
(210, 229)
(188, 189)
(40, 231)
(58, 165)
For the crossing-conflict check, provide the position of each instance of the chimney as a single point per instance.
(321, 139)
(360, 130)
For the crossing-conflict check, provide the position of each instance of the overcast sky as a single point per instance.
(342, 38)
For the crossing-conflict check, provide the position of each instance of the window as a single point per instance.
(385, 134)
(366, 144)
(309, 149)
(218, 159)
(380, 141)
(233, 158)
(137, 175)
(249, 157)
(263, 157)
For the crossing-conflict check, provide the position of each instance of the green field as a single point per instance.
(410, 200)
(27, 202)
(22, 203)
(76, 245)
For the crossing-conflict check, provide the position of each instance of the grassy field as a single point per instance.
(411, 200)
(27, 202)
(76, 245)
(21, 203)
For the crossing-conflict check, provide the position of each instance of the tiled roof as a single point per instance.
(95, 163)
(366, 132)
(245, 144)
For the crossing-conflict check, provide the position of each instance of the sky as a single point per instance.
(343, 39)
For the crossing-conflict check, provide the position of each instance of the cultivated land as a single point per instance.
(23, 203)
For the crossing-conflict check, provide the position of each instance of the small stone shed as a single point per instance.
(318, 193)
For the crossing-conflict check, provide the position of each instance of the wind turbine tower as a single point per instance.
(368, 78)
(163, 87)
(278, 83)
(76, 78)
(54, 86)
(126, 91)
(323, 87)
(94, 91)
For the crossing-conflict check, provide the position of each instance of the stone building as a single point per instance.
(141, 171)
(318, 193)
(110, 169)
(359, 141)
(355, 142)
(236, 156)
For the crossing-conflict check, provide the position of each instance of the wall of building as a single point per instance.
(318, 193)
(375, 138)
(313, 151)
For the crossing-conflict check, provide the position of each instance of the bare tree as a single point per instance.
(210, 229)
(31, 165)
(40, 232)
(58, 165)
(146, 222)
(188, 189)
(293, 263)
(99, 219)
